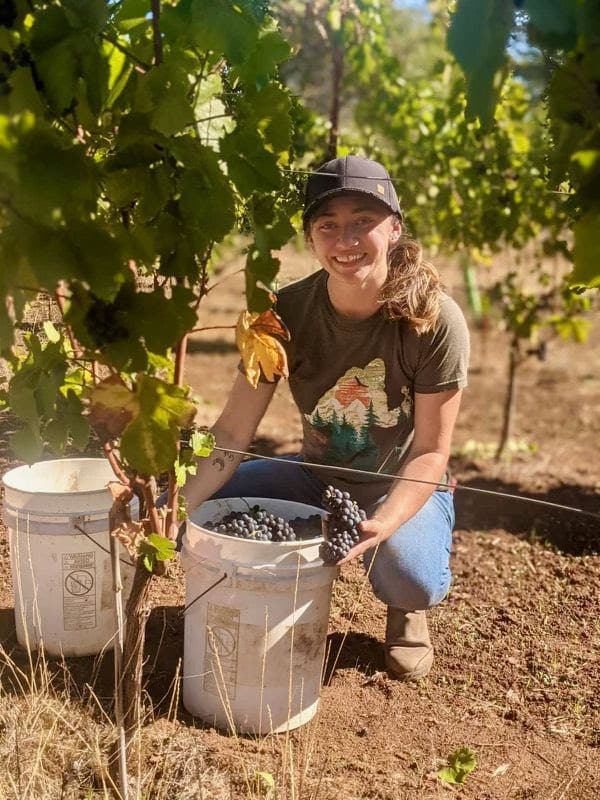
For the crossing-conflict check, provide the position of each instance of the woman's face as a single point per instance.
(351, 235)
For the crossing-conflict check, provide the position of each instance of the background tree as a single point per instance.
(567, 32)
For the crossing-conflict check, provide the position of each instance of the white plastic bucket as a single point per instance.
(256, 623)
(62, 579)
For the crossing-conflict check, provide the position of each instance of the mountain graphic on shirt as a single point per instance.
(355, 392)
(341, 424)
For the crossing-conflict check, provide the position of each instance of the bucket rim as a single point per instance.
(9, 476)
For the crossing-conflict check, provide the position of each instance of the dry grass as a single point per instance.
(58, 742)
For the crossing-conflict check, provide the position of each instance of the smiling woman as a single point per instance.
(377, 361)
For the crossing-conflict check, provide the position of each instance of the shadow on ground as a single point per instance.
(80, 676)
(353, 651)
(568, 531)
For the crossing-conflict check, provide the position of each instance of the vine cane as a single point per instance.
(118, 658)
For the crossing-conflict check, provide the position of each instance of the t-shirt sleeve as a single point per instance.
(444, 352)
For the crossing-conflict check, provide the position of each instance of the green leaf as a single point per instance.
(553, 22)
(101, 267)
(207, 200)
(261, 269)
(163, 93)
(477, 37)
(7, 332)
(51, 333)
(155, 548)
(260, 64)
(165, 548)
(79, 430)
(202, 443)
(587, 251)
(225, 27)
(181, 473)
(253, 168)
(149, 442)
(264, 782)
(27, 444)
(56, 434)
(269, 111)
(161, 321)
(460, 764)
(55, 180)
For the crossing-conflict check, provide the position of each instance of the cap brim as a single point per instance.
(343, 190)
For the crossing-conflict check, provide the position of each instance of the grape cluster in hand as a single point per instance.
(256, 524)
(342, 525)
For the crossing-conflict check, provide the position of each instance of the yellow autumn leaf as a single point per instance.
(260, 350)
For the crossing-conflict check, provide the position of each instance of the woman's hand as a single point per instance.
(373, 532)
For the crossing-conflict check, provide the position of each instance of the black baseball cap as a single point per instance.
(350, 174)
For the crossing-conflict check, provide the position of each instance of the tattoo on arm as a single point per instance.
(219, 464)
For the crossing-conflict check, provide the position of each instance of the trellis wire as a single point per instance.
(453, 486)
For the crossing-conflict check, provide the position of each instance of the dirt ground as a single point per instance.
(517, 675)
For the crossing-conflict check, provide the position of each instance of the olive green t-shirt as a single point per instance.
(354, 381)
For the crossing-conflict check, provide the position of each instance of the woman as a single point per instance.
(377, 359)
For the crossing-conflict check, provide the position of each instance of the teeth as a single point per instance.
(349, 259)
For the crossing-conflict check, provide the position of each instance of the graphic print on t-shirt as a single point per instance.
(342, 424)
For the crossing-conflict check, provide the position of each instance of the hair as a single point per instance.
(413, 289)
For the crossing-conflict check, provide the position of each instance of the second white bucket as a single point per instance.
(256, 623)
(56, 513)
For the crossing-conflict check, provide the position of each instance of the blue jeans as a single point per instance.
(410, 570)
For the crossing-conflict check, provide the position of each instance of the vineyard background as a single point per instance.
(163, 145)
(515, 672)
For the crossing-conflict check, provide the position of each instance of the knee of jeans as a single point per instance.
(410, 596)
(401, 589)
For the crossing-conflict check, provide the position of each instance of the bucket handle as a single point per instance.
(206, 591)
(106, 550)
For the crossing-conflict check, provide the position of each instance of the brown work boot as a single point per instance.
(408, 648)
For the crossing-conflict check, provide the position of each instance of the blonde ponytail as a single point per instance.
(413, 289)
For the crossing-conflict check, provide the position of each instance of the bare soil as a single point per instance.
(516, 677)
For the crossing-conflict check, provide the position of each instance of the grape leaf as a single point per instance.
(27, 444)
(153, 548)
(460, 764)
(253, 168)
(225, 27)
(269, 111)
(112, 407)
(149, 442)
(51, 333)
(261, 352)
(207, 199)
(587, 250)
(261, 268)
(261, 63)
(477, 37)
(202, 443)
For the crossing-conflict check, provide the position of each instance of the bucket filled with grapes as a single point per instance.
(257, 611)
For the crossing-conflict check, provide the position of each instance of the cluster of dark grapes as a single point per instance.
(104, 322)
(342, 524)
(256, 523)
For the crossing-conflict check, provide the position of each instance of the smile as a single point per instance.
(349, 259)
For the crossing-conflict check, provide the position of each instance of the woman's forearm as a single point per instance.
(214, 471)
(406, 497)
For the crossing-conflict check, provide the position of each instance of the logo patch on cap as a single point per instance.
(380, 189)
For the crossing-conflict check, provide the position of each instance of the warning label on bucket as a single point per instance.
(221, 650)
(79, 591)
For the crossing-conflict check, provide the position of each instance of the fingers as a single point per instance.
(359, 549)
